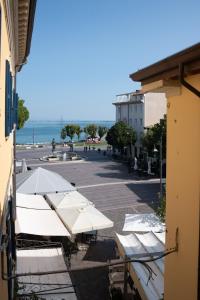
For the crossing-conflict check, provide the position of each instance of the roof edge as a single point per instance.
(169, 65)
(32, 9)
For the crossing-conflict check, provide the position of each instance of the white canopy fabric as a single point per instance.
(143, 223)
(67, 200)
(39, 222)
(42, 181)
(31, 201)
(149, 289)
(44, 260)
(83, 219)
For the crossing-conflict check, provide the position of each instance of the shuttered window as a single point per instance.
(8, 101)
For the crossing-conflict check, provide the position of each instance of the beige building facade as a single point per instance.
(140, 110)
(16, 19)
(179, 77)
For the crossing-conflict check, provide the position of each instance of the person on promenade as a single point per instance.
(53, 144)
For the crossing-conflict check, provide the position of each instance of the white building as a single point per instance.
(140, 110)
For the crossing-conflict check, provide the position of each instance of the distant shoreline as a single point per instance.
(42, 132)
(70, 121)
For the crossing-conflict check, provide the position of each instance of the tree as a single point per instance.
(23, 114)
(63, 134)
(102, 131)
(152, 138)
(70, 130)
(78, 131)
(121, 135)
(91, 130)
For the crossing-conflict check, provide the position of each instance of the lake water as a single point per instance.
(44, 131)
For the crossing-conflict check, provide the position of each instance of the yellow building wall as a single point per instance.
(6, 144)
(183, 193)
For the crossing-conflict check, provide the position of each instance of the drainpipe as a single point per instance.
(186, 84)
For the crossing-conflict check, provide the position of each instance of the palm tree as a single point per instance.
(102, 131)
(78, 131)
(70, 130)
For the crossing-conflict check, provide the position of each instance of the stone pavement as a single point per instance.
(115, 192)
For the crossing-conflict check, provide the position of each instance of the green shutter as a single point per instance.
(8, 101)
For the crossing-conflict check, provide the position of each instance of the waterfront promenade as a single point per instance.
(115, 192)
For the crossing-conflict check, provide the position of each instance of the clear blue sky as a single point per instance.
(84, 50)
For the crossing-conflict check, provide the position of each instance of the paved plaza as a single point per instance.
(115, 192)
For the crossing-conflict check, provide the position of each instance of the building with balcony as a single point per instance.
(140, 110)
(179, 77)
(16, 19)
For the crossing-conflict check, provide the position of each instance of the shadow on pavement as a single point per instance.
(91, 284)
(147, 193)
(101, 251)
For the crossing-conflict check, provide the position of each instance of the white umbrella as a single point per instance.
(83, 219)
(42, 181)
(67, 200)
(31, 201)
(39, 222)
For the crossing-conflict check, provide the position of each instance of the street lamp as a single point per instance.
(161, 186)
(155, 150)
(130, 144)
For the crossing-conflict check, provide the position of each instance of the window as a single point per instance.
(135, 122)
(8, 101)
(141, 122)
(135, 107)
(138, 97)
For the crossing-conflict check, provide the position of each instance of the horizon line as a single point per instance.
(78, 120)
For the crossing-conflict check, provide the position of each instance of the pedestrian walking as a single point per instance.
(53, 144)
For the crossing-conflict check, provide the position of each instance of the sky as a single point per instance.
(83, 51)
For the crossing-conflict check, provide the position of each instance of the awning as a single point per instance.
(31, 201)
(39, 222)
(57, 286)
(42, 181)
(67, 200)
(83, 219)
(143, 223)
(132, 244)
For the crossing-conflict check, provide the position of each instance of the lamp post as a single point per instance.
(129, 139)
(130, 152)
(160, 161)
(161, 186)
